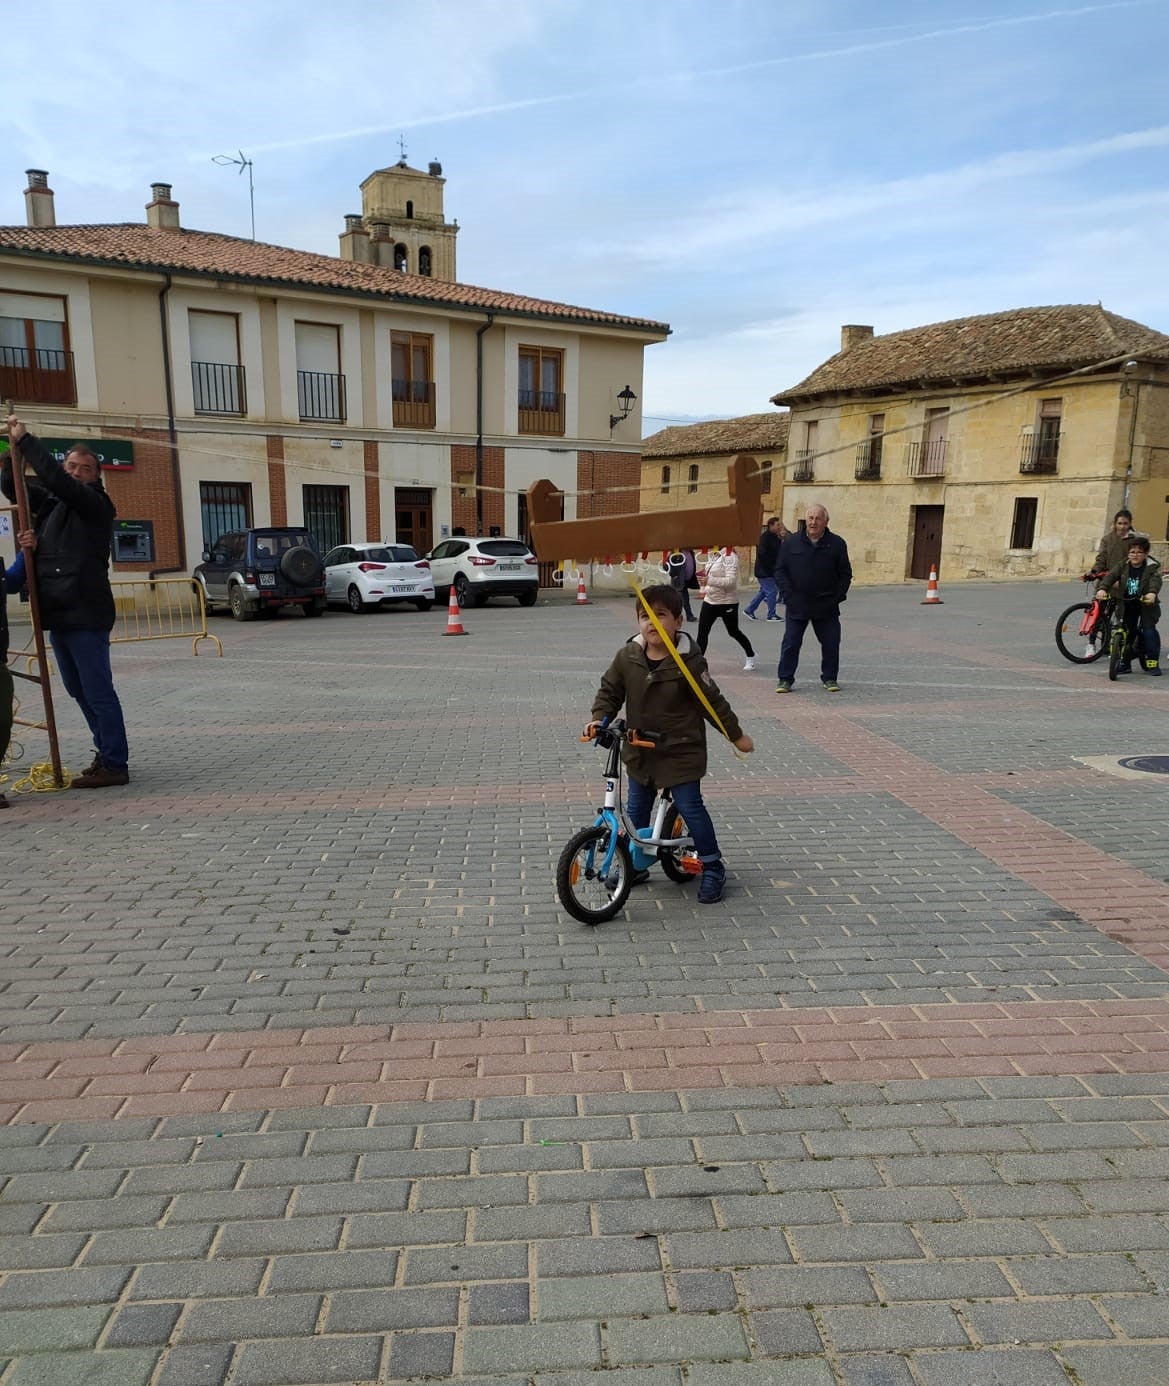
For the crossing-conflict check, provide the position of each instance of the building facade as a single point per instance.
(685, 466)
(228, 383)
(992, 446)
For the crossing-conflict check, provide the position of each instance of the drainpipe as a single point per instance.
(1132, 435)
(479, 420)
(176, 477)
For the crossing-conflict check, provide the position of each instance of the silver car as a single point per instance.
(367, 576)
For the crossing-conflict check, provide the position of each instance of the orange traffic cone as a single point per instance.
(931, 597)
(582, 597)
(454, 621)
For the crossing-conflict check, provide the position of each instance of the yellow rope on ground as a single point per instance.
(39, 780)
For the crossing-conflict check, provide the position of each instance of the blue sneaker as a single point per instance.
(750, 615)
(710, 888)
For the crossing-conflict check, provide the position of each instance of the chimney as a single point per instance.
(162, 212)
(851, 334)
(38, 199)
(381, 251)
(355, 239)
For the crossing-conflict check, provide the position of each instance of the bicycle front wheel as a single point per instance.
(1072, 643)
(585, 891)
(1117, 652)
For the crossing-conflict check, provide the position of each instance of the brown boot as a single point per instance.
(100, 776)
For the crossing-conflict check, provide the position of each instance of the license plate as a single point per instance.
(267, 579)
(408, 587)
(509, 567)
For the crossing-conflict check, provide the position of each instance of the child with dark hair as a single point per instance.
(1136, 584)
(645, 678)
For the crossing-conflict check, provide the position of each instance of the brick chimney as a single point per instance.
(851, 334)
(162, 212)
(355, 244)
(38, 199)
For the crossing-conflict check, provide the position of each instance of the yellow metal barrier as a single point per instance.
(161, 609)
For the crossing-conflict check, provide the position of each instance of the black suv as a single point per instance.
(254, 570)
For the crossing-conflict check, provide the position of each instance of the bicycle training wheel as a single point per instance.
(1079, 648)
(671, 858)
(584, 892)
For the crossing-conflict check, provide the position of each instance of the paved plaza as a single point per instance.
(305, 1077)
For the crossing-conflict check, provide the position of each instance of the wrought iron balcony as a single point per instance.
(1040, 455)
(37, 377)
(541, 411)
(413, 403)
(868, 459)
(802, 467)
(219, 389)
(321, 395)
(927, 459)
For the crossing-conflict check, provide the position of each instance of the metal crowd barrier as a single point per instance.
(161, 609)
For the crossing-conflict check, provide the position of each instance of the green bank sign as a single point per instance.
(114, 454)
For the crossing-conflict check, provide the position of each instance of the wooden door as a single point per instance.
(413, 518)
(927, 540)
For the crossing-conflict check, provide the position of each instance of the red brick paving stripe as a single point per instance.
(205, 1073)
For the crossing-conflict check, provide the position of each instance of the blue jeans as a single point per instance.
(767, 591)
(639, 801)
(83, 657)
(827, 630)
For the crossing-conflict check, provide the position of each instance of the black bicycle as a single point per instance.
(1083, 633)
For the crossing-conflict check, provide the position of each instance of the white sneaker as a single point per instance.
(750, 664)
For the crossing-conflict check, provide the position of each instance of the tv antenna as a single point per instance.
(242, 162)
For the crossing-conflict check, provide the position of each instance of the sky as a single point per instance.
(755, 173)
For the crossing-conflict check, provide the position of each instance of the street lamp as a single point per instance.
(625, 402)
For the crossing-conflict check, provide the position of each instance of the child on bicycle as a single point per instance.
(645, 678)
(1136, 582)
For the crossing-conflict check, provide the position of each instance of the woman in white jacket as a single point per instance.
(721, 602)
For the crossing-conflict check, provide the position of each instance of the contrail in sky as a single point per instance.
(560, 98)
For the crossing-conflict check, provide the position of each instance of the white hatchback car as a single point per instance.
(366, 576)
(482, 568)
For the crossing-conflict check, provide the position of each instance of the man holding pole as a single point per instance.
(74, 520)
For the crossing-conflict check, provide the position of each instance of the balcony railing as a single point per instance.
(1040, 455)
(37, 377)
(219, 389)
(927, 458)
(541, 411)
(321, 395)
(868, 459)
(802, 467)
(413, 403)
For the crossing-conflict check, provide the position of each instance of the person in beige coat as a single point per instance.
(721, 603)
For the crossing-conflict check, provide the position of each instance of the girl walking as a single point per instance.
(721, 603)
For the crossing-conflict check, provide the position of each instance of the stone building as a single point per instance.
(992, 446)
(686, 465)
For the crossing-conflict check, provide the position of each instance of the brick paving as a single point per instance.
(306, 1078)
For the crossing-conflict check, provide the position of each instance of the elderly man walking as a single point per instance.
(814, 571)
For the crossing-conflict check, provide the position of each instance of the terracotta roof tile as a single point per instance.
(1022, 340)
(749, 433)
(228, 257)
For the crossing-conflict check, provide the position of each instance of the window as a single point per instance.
(692, 484)
(320, 386)
(766, 465)
(541, 401)
(1041, 447)
(326, 514)
(216, 374)
(424, 260)
(412, 385)
(225, 505)
(409, 211)
(803, 469)
(1023, 528)
(36, 365)
(401, 261)
(665, 481)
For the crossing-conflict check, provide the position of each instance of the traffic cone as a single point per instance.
(454, 621)
(931, 597)
(582, 596)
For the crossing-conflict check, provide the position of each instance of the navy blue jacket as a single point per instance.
(11, 581)
(815, 577)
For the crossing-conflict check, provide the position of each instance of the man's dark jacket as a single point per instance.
(816, 577)
(767, 554)
(74, 521)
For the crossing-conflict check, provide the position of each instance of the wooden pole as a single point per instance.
(24, 522)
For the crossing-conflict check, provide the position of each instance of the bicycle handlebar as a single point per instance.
(606, 732)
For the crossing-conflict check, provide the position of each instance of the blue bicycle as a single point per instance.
(596, 869)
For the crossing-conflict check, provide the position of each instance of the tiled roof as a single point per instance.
(750, 433)
(994, 344)
(228, 257)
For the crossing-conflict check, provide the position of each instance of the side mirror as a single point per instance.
(206, 555)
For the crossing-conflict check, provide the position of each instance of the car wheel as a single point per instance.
(353, 598)
(527, 598)
(424, 604)
(316, 607)
(239, 607)
(463, 593)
